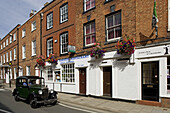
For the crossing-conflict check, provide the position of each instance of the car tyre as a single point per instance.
(16, 98)
(54, 103)
(33, 103)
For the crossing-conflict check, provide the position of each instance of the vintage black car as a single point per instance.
(32, 89)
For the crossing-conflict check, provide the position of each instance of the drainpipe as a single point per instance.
(41, 18)
(17, 50)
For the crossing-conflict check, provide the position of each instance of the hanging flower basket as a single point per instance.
(51, 59)
(127, 46)
(40, 62)
(97, 51)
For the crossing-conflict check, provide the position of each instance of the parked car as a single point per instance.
(32, 89)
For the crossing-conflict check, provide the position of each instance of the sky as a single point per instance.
(14, 12)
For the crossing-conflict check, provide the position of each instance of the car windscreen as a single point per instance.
(33, 81)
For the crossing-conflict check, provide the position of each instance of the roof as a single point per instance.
(30, 77)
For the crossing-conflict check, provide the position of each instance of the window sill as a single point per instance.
(107, 1)
(14, 40)
(64, 21)
(113, 41)
(23, 37)
(33, 30)
(34, 55)
(86, 47)
(23, 58)
(89, 10)
(63, 54)
(49, 28)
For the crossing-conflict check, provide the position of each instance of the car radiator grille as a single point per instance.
(45, 94)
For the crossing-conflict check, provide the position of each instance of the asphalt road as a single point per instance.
(9, 105)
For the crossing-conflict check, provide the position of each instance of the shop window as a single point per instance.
(68, 73)
(168, 76)
(50, 73)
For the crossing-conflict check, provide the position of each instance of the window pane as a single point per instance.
(117, 19)
(118, 32)
(88, 40)
(111, 34)
(87, 29)
(110, 21)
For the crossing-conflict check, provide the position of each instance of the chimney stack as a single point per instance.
(32, 13)
(45, 4)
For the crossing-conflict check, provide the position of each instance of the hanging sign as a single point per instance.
(71, 49)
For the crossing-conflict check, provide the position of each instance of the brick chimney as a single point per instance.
(45, 4)
(32, 13)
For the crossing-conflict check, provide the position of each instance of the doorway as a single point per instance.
(150, 81)
(107, 81)
(82, 80)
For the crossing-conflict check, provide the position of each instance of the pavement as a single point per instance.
(100, 105)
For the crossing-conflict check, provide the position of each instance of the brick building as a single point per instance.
(58, 31)
(29, 44)
(142, 76)
(9, 58)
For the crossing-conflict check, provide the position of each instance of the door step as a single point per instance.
(150, 103)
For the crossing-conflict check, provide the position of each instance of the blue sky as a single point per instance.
(15, 12)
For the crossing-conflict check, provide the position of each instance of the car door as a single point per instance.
(23, 89)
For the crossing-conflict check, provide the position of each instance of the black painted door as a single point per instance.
(150, 81)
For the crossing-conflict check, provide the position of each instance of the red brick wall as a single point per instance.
(27, 40)
(8, 48)
(58, 27)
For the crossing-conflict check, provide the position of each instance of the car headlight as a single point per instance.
(51, 91)
(40, 92)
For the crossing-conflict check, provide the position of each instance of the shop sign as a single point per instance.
(150, 52)
(71, 60)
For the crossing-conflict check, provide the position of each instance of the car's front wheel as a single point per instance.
(16, 98)
(33, 103)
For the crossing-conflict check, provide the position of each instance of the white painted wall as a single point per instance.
(125, 80)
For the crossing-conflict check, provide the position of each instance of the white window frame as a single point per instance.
(33, 26)
(10, 73)
(14, 35)
(168, 15)
(10, 39)
(90, 5)
(64, 13)
(23, 51)
(64, 43)
(1, 74)
(7, 57)
(15, 73)
(49, 20)
(66, 71)
(112, 27)
(23, 33)
(11, 55)
(49, 74)
(1, 60)
(28, 70)
(4, 74)
(49, 48)
(33, 47)
(15, 54)
(1, 47)
(89, 33)
(6, 42)
(4, 58)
